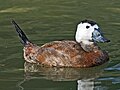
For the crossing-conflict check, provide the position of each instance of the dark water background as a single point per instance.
(49, 20)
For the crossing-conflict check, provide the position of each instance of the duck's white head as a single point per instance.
(88, 32)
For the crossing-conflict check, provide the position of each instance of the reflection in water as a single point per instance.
(62, 74)
(85, 84)
(83, 77)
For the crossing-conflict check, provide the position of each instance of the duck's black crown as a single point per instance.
(89, 21)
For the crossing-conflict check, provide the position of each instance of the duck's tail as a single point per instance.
(23, 38)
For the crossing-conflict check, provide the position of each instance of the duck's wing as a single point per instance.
(60, 53)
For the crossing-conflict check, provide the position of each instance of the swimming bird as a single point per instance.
(81, 52)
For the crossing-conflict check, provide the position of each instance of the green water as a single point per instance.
(49, 20)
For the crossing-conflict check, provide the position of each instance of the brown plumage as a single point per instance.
(62, 53)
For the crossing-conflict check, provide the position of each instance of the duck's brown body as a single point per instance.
(64, 54)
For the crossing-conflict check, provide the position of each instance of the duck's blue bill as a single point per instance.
(97, 36)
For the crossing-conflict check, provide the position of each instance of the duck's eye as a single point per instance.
(87, 27)
(98, 34)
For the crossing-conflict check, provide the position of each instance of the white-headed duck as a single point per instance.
(82, 52)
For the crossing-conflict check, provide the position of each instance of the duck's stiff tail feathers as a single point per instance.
(23, 38)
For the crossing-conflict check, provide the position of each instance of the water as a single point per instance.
(49, 20)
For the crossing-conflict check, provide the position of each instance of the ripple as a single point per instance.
(16, 10)
(115, 80)
(114, 68)
(114, 9)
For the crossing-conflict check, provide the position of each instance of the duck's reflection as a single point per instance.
(87, 84)
(84, 77)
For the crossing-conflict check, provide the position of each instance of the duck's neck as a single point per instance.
(88, 47)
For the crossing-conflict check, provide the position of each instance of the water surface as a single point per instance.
(49, 20)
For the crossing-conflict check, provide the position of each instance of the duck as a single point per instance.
(82, 52)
